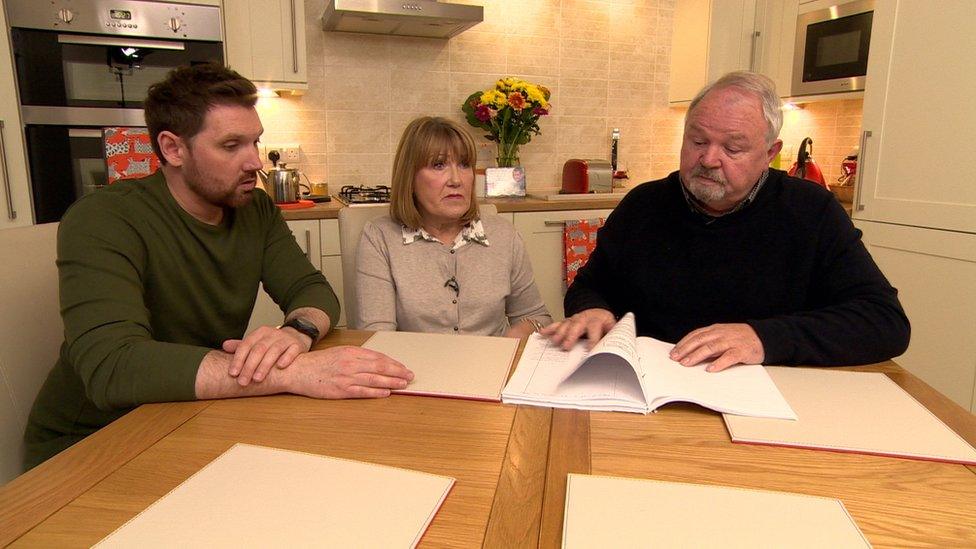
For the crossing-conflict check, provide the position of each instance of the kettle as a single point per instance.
(805, 167)
(283, 183)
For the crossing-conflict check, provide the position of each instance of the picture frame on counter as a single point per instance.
(501, 182)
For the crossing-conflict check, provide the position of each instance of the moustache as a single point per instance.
(706, 173)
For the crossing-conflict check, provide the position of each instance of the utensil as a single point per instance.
(805, 167)
(283, 183)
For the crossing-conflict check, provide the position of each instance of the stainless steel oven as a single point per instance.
(84, 65)
(831, 53)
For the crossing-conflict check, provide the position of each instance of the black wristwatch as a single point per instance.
(303, 326)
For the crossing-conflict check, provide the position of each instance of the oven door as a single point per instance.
(832, 48)
(68, 162)
(78, 70)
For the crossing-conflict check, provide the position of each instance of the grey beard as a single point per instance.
(706, 193)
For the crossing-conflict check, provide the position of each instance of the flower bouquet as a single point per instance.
(510, 113)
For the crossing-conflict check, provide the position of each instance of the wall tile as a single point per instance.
(605, 61)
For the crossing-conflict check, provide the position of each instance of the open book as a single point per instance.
(627, 373)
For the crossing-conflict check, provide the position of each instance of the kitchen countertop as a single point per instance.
(532, 203)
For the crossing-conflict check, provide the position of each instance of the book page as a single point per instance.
(623, 512)
(621, 341)
(459, 366)
(744, 389)
(253, 496)
(863, 412)
(546, 375)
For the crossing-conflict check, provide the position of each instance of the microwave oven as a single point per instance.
(831, 54)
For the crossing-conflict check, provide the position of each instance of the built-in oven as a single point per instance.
(831, 53)
(86, 65)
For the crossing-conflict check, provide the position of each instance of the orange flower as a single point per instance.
(516, 100)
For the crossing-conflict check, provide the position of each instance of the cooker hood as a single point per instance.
(426, 18)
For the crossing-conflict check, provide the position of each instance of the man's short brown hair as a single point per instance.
(180, 103)
(423, 141)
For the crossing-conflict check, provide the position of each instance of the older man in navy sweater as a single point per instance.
(733, 261)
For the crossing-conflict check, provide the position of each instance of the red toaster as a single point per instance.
(586, 176)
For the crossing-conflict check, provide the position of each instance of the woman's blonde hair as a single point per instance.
(424, 140)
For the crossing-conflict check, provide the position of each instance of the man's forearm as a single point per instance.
(214, 380)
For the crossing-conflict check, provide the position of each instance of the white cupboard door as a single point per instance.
(332, 263)
(15, 202)
(710, 38)
(935, 274)
(919, 116)
(773, 40)
(543, 236)
(265, 40)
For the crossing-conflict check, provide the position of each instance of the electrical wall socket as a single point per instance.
(290, 152)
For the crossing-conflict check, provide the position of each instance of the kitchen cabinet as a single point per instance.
(15, 199)
(713, 37)
(264, 40)
(774, 33)
(331, 265)
(941, 305)
(918, 119)
(543, 236)
(915, 206)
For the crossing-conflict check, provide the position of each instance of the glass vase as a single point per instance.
(508, 155)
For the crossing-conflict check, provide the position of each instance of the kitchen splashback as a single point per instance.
(607, 65)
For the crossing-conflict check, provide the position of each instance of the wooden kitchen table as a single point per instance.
(511, 464)
(896, 502)
(496, 452)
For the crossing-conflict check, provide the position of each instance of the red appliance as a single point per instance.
(805, 167)
(587, 176)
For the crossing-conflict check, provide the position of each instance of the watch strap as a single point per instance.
(303, 326)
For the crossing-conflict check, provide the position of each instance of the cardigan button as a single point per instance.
(454, 302)
(452, 251)
(455, 328)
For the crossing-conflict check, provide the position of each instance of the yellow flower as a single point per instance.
(494, 98)
(535, 95)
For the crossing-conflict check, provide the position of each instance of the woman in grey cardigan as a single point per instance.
(434, 264)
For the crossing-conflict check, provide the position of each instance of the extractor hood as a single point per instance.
(426, 18)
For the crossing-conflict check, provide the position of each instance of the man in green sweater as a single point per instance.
(158, 277)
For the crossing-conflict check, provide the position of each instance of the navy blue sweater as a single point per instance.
(790, 264)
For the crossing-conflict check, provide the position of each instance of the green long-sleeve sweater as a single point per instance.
(146, 291)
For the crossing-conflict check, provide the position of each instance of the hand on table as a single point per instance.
(346, 372)
(593, 323)
(727, 344)
(263, 348)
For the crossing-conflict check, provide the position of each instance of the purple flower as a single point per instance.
(482, 112)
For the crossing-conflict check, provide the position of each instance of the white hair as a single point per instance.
(750, 82)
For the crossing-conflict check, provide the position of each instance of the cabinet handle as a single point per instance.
(860, 171)
(548, 223)
(294, 39)
(308, 245)
(752, 50)
(11, 212)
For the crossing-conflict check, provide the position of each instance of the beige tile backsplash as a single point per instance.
(606, 62)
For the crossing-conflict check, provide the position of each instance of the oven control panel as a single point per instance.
(119, 17)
